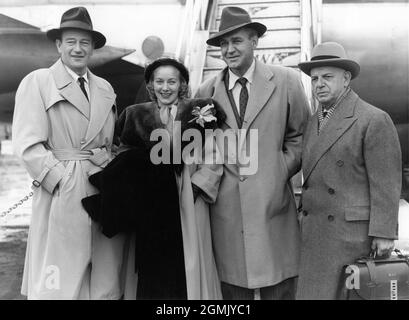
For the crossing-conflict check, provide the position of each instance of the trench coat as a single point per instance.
(134, 126)
(61, 138)
(351, 190)
(254, 222)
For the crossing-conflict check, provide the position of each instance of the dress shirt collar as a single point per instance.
(248, 75)
(76, 76)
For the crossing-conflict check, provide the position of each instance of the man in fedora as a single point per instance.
(254, 225)
(351, 163)
(62, 131)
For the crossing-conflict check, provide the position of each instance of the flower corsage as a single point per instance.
(204, 114)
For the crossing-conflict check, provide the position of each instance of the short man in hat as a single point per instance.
(254, 225)
(351, 164)
(62, 131)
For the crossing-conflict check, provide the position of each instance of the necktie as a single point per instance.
(244, 97)
(81, 80)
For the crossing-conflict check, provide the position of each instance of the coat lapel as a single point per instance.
(69, 89)
(261, 90)
(102, 100)
(316, 146)
(220, 95)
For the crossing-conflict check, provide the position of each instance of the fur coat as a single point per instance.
(141, 197)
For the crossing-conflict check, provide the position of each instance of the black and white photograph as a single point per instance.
(217, 151)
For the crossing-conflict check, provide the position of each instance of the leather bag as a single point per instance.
(371, 278)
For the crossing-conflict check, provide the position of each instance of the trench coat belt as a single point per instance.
(98, 156)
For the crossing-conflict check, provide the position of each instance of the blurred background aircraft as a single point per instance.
(25, 48)
(375, 33)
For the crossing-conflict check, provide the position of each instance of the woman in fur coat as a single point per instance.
(159, 188)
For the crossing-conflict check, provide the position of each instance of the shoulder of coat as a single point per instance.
(210, 83)
(282, 71)
(140, 108)
(102, 83)
(39, 76)
(368, 110)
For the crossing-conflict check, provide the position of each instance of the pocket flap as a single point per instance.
(357, 213)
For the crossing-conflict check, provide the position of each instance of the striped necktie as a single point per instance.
(81, 80)
(244, 97)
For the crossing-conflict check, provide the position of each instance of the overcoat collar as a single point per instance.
(101, 99)
(69, 89)
(220, 95)
(315, 146)
(261, 90)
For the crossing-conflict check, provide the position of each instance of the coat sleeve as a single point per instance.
(208, 174)
(30, 134)
(119, 124)
(298, 113)
(383, 161)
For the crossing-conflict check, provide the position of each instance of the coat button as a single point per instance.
(243, 179)
(305, 213)
(340, 163)
(331, 191)
(36, 183)
(305, 187)
(82, 141)
(331, 217)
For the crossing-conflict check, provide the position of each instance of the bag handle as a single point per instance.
(372, 255)
(373, 283)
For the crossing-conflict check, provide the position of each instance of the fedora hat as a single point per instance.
(330, 54)
(166, 61)
(234, 18)
(77, 18)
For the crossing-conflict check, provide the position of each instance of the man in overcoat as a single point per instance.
(254, 225)
(351, 164)
(62, 131)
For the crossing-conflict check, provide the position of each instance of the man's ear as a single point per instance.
(254, 41)
(58, 45)
(347, 78)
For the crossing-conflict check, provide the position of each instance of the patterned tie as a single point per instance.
(81, 80)
(244, 97)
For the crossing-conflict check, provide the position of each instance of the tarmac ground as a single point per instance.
(15, 184)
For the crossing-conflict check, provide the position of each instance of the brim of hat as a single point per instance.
(215, 39)
(99, 38)
(166, 62)
(346, 64)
